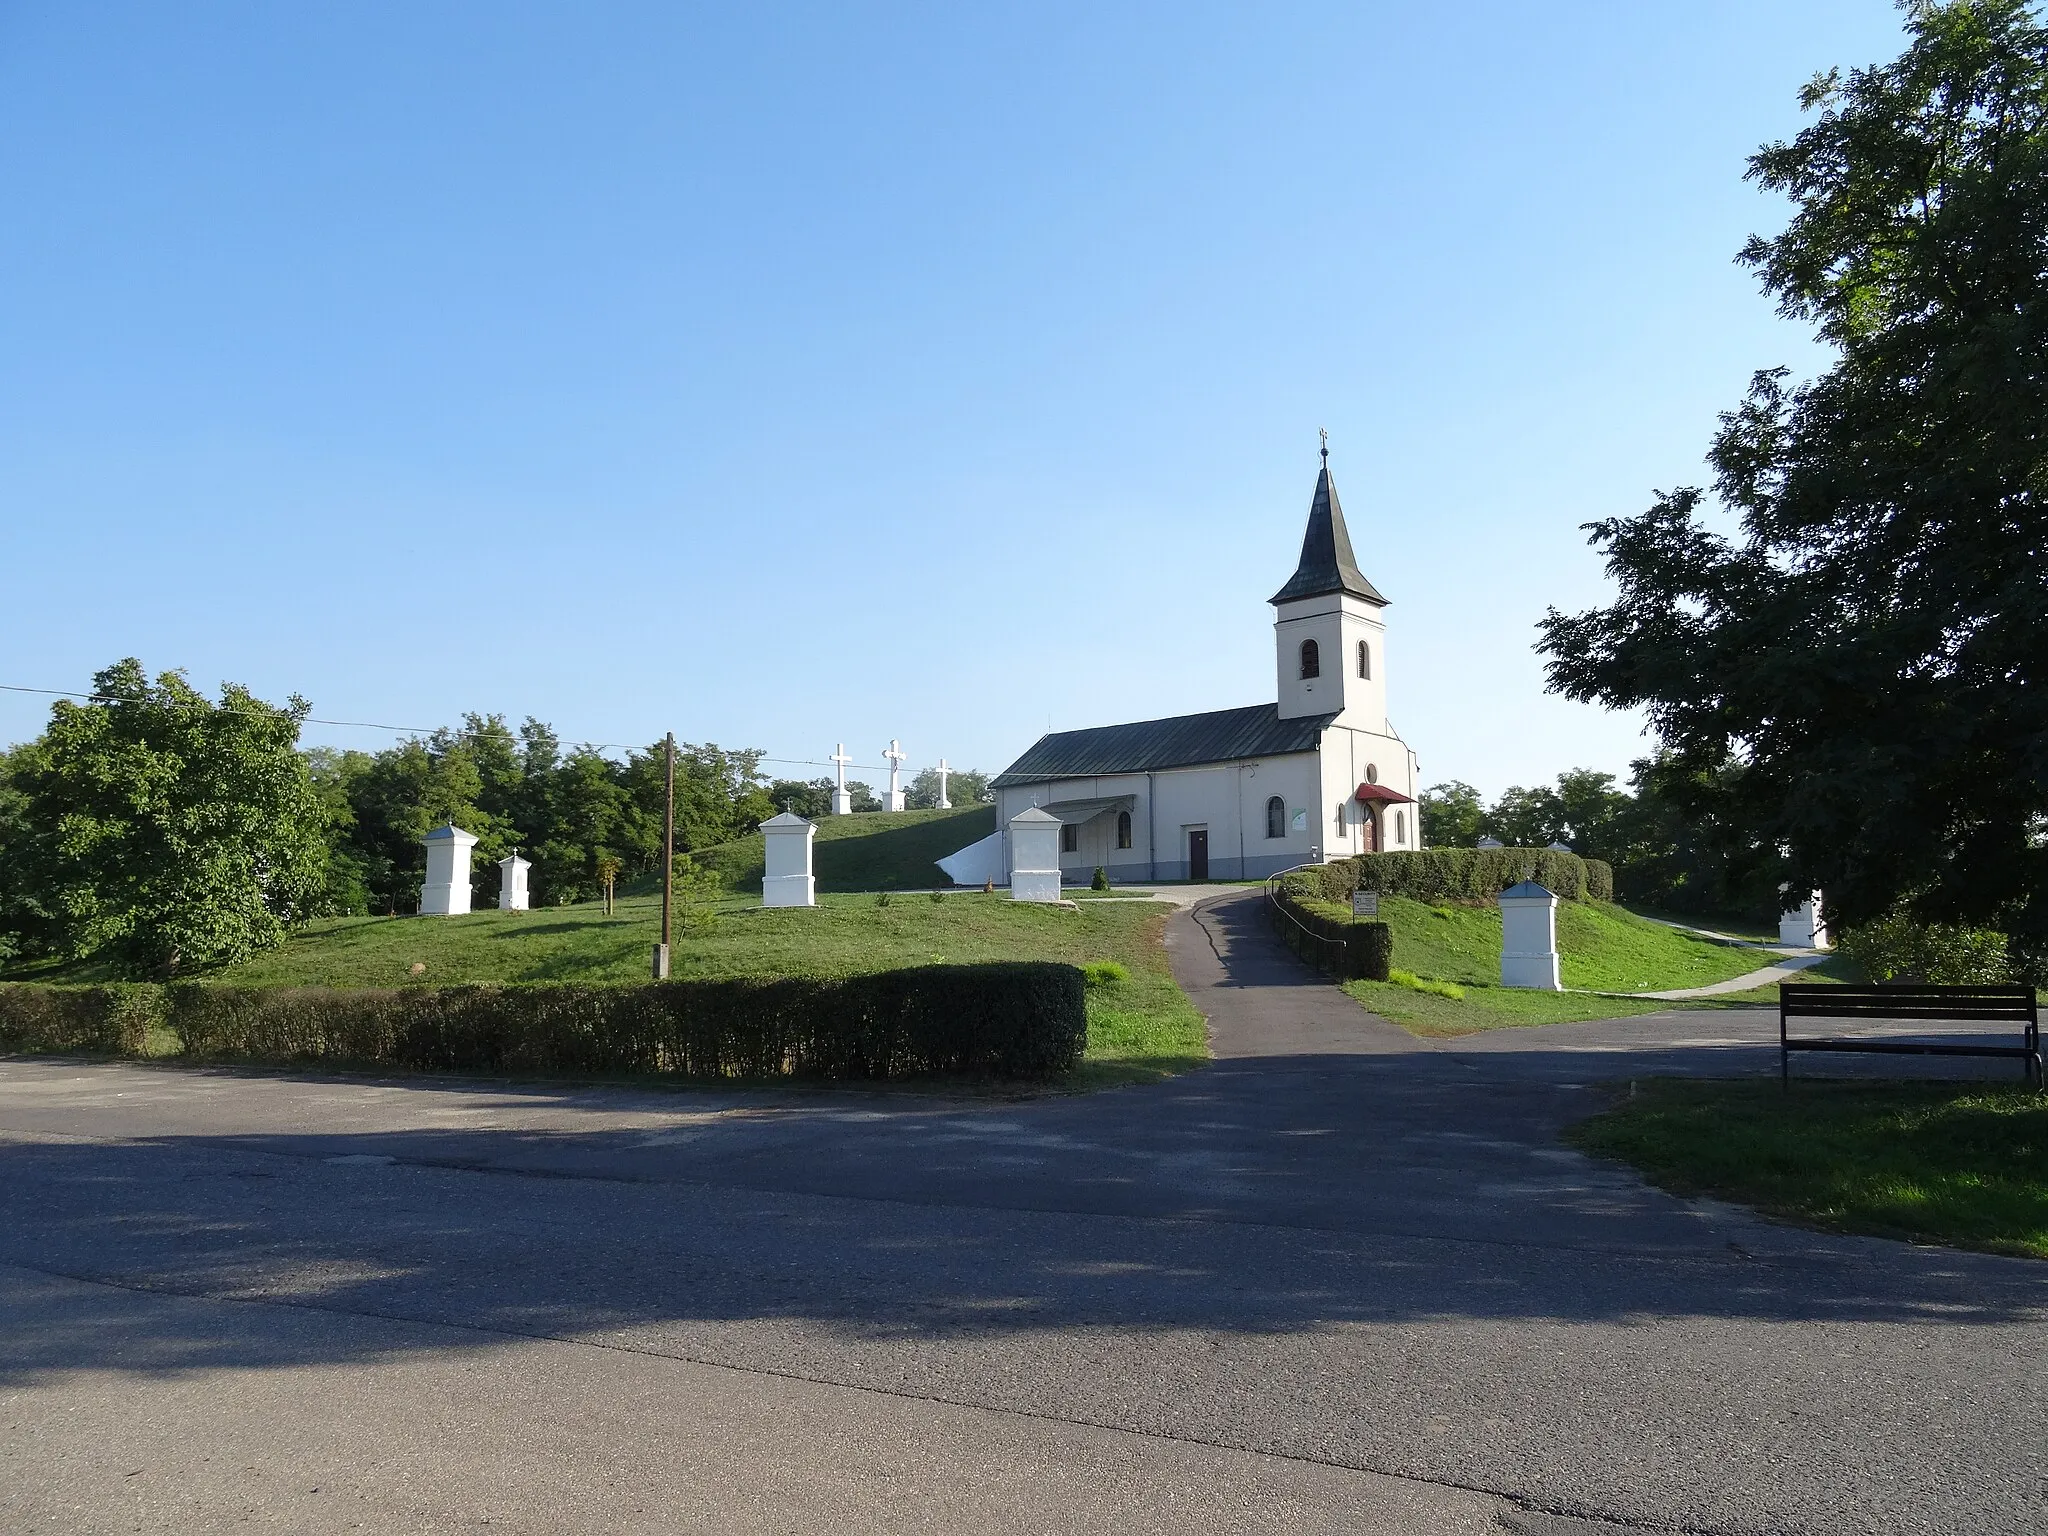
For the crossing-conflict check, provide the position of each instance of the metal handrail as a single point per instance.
(1273, 905)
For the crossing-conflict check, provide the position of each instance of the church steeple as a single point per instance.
(1327, 564)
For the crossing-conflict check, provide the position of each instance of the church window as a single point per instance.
(1364, 659)
(1123, 829)
(1311, 659)
(1401, 828)
(1070, 838)
(1276, 817)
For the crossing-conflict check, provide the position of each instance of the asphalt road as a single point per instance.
(1340, 1280)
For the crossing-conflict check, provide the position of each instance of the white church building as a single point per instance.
(1238, 794)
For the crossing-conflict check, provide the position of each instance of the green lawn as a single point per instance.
(1960, 1163)
(1601, 948)
(871, 851)
(1138, 1029)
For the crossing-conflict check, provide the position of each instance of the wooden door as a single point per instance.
(1198, 855)
(1371, 829)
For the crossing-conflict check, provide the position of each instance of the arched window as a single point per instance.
(1276, 817)
(1123, 829)
(1364, 659)
(1311, 659)
(1400, 829)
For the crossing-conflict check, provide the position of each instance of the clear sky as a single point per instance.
(789, 374)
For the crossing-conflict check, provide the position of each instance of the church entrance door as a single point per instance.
(1198, 855)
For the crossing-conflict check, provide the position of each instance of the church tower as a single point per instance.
(1329, 638)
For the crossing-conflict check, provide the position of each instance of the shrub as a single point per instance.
(1599, 880)
(1003, 1019)
(1895, 948)
(1453, 874)
(114, 1020)
(1329, 938)
(1101, 880)
(1100, 973)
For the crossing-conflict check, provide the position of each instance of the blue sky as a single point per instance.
(782, 375)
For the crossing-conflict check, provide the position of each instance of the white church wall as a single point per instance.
(1347, 757)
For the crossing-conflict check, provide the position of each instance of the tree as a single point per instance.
(860, 797)
(1857, 678)
(1451, 813)
(1526, 818)
(161, 831)
(964, 786)
(1590, 811)
(811, 798)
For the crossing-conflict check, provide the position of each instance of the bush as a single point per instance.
(1895, 948)
(110, 1020)
(1599, 880)
(1329, 938)
(1455, 874)
(1101, 880)
(1004, 1019)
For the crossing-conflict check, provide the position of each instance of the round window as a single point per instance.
(1372, 773)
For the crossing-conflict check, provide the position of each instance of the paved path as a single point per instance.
(1340, 1280)
(1749, 981)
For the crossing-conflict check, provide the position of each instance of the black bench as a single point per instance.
(1948, 1005)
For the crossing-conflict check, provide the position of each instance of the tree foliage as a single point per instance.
(1855, 679)
(158, 830)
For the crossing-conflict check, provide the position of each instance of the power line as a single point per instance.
(375, 725)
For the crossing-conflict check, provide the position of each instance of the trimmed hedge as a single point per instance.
(107, 1020)
(1334, 942)
(1460, 874)
(1004, 1019)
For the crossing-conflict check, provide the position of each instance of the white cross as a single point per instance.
(944, 803)
(897, 757)
(842, 760)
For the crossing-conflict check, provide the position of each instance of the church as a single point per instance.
(1237, 794)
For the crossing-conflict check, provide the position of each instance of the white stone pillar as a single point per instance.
(1034, 856)
(446, 893)
(896, 757)
(944, 803)
(1804, 925)
(1528, 937)
(842, 797)
(787, 880)
(512, 883)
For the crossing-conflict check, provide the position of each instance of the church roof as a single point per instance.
(1327, 564)
(1218, 736)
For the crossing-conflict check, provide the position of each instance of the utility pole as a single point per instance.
(668, 859)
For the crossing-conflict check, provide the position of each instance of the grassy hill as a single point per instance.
(1601, 948)
(871, 851)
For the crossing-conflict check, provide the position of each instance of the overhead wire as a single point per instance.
(406, 730)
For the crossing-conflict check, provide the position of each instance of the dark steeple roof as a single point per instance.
(1327, 564)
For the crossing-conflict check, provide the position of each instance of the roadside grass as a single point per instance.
(1958, 1163)
(1140, 1027)
(1734, 924)
(868, 851)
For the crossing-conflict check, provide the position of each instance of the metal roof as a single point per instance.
(1219, 736)
(1327, 564)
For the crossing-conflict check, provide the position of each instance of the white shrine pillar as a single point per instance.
(446, 893)
(512, 883)
(786, 880)
(944, 803)
(1034, 856)
(1528, 937)
(1804, 925)
(842, 797)
(896, 757)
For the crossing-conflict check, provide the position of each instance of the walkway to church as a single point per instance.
(1341, 1279)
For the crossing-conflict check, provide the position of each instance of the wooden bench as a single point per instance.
(1947, 1005)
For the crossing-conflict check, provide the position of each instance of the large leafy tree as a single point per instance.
(1857, 677)
(163, 832)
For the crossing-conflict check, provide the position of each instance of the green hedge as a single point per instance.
(1330, 939)
(1458, 874)
(1005, 1019)
(110, 1020)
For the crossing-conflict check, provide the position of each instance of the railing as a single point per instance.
(1332, 955)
